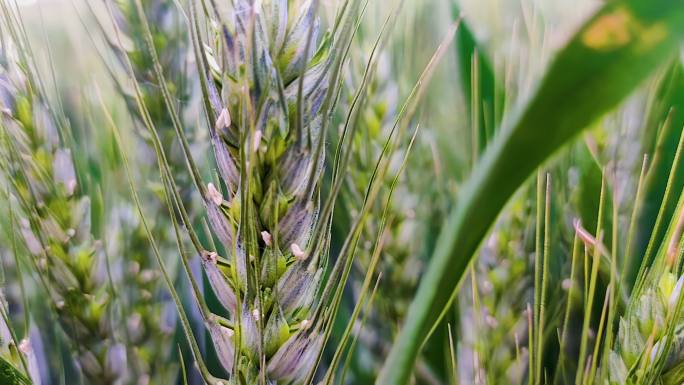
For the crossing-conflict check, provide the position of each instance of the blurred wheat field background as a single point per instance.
(341, 192)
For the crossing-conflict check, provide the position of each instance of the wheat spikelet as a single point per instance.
(650, 340)
(267, 126)
(270, 210)
(269, 87)
(397, 216)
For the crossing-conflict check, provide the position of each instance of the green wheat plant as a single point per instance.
(493, 307)
(172, 47)
(144, 305)
(320, 192)
(390, 243)
(504, 158)
(269, 103)
(55, 214)
(54, 221)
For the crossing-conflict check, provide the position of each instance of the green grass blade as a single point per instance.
(602, 63)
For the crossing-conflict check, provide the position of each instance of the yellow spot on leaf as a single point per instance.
(609, 31)
(652, 35)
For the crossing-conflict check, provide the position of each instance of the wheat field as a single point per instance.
(391, 192)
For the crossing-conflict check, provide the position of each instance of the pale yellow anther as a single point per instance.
(223, 120)
(214, 195)
(298, 252)
(25, 346)
(256, 141)
(566, 284)
(211, 256)
(267, 238)
(71, 186)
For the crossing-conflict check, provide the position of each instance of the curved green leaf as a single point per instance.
(603, 62)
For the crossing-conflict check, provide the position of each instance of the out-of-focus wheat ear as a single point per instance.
(197, 293)
(159, 150)
(15, 23)
(13, 156)
(171, 107)
(25, 61)
(185, 322)
(13, 238)
(377, 250)
(343, 264)
(381, 166)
